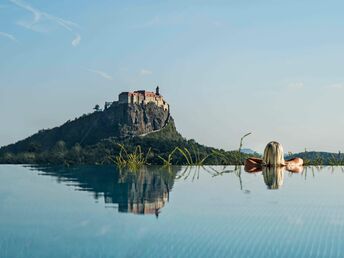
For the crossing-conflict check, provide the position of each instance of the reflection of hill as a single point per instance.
(142, 192)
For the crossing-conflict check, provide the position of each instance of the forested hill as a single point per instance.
(118, 121)
(96, 138)
(320, 158)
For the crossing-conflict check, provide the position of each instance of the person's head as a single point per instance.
(273, 154)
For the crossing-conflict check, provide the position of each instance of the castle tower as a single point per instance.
(157, 90)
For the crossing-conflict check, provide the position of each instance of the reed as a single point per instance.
(236, 158)
(137, 158)
(336, 159)
(131, 160)
(168, 162)
(193, 160)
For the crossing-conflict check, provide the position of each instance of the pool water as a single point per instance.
(100, 211)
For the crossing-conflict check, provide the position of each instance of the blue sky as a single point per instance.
(273, 68)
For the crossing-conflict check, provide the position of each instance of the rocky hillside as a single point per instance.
(118, 121)
(96, 139)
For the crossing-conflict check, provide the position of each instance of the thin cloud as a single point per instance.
(101, 74)
(76, 41)
(39, 17)
(296, 85)
(337, 86)
(8, 36)
(145, 72)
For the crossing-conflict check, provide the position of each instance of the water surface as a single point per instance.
(176, 212)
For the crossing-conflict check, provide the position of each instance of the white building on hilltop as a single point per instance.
(143, 97)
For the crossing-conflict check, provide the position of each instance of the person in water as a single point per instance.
(273, 156)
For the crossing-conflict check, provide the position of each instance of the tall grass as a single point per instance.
(168, 161)
(137, 158)
(336, 159)
(235, 157)
(191, 159)
(133, 160)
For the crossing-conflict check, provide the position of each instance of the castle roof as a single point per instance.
(142, 92)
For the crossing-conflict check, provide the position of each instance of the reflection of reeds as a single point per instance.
(193, 172)
(189, 170)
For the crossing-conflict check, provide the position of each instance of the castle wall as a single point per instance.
(143, 97)
(124, 97)
(135, 98)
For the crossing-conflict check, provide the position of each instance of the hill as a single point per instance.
(119, 121)
(320, 158)
(97, 137)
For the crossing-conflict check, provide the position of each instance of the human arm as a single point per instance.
(253, 165)
(294, 162)
(294, 165)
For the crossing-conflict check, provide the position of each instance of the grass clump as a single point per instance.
(168, 161)
(191, 159)
(336, 159)
(131, 160)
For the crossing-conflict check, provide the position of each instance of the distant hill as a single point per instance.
(93, 138)
(137, 119)
(248, 151)
(320, 157)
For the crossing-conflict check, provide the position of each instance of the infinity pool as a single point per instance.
(177, 212)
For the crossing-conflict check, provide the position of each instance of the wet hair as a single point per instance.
(273, 155)
(273, 176)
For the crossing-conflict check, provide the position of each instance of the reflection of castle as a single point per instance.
(143, 97)
(142, 192)
(138, 206)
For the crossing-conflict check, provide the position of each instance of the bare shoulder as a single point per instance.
(253, 161)
(253, 165)
(295, 161)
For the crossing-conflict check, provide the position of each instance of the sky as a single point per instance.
(273, 68)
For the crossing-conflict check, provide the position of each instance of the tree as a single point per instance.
(96, 107)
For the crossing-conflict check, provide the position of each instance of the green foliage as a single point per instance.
(336, 159)
(132, 161)
(168, 161)
(311, 158)
(96, 108)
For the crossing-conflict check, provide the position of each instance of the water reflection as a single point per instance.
(273, 175)
(145, 191)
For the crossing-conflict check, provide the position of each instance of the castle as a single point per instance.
(143, 97)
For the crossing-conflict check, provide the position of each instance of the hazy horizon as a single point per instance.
(225, 67)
